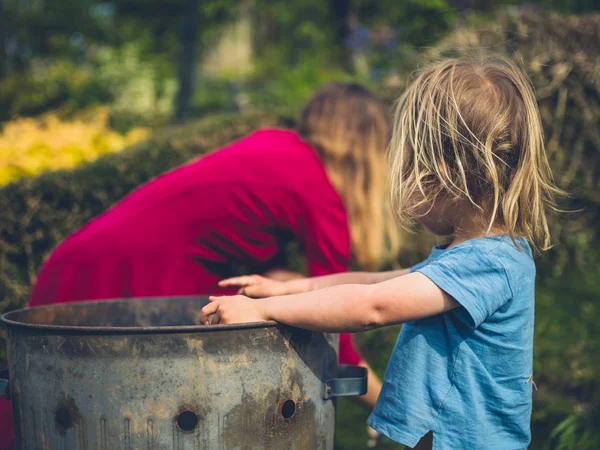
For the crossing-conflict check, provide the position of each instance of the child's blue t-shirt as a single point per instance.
(466, 374)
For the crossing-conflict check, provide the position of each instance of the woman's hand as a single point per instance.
(256, 286)
(232, 309)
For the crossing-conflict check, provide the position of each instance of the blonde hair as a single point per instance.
(469, 128)
(349, 128)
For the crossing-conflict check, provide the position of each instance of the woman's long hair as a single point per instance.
(349, 128)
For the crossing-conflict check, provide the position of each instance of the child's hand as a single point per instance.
(232, 309)
(256, 286)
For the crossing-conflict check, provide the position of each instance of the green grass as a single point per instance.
(351, 421)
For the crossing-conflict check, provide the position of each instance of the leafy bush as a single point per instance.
(136, 89)
(58, 84)
(31, 146)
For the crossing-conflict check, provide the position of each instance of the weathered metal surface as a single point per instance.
(161, 381)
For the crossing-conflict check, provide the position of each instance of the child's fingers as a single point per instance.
(208, 310)
(215, 319)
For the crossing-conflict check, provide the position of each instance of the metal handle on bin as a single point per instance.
(352, 380)
(4, 384)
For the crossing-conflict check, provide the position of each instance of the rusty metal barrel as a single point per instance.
(144, 374)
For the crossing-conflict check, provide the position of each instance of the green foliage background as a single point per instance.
(126, 59)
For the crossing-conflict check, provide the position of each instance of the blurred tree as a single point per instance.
(36, 35)
(341, 12)
(326, 34)
(287, 33)
(564, 6)
(43, 28)
(418, 22)
(187, 58)
(173, 30)
(304, 42)
(3, 42)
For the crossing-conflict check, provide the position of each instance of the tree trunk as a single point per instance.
(340, 10)
(3, 38)
(187, 58)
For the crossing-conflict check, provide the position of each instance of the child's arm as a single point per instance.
(257, 286)
(346, 308)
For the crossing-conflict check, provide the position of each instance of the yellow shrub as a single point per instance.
(30, 146)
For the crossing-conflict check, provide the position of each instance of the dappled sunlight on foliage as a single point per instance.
(31, 146)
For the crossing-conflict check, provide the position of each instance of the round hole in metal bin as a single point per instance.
(288, 409)
(63, 419)
(187, 420)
